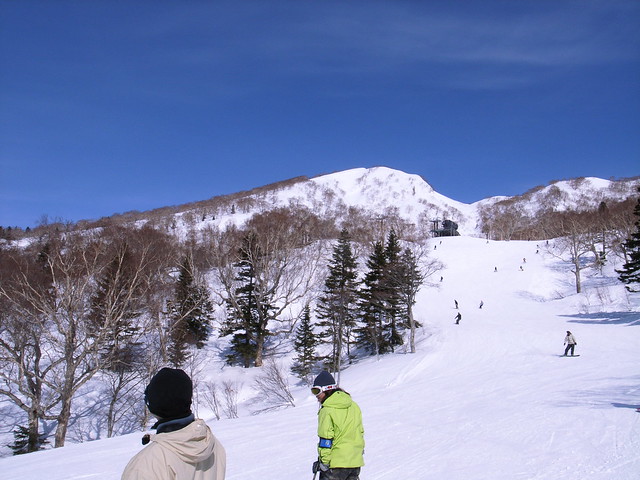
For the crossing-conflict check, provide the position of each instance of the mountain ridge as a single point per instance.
(380, 192)
(383, 191)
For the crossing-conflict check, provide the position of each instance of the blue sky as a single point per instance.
(112, 106)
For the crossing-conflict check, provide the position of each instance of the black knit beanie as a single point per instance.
(169, 393)
(324, 379)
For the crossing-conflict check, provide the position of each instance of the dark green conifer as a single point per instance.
(23, 441)
(248, 312)
(337, 306)
(190, 312)
(305, 344)
(395, 312)
(372, 306)
(410, 279)
(630, 272)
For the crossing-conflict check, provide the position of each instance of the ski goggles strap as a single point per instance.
(317, 390)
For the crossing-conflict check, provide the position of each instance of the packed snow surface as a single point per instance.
(489, 398)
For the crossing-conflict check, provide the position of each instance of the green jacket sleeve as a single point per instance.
(325, 431)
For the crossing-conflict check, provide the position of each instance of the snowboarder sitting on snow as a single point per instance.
(184, 447)
(341, 445)
(570, 342)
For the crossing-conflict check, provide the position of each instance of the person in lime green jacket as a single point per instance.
(341, 444)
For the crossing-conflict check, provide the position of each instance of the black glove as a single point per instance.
(318, 466)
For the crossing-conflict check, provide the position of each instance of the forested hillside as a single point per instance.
(329, 268)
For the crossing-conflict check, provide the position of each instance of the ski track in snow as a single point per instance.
(487, 399)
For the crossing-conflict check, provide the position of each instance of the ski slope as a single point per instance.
(487, 399)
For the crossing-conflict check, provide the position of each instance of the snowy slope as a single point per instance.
(487, 399)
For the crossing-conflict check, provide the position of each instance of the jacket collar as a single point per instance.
(165, 426)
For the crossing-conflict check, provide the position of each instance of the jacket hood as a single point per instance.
(338, 399)
(193, 443)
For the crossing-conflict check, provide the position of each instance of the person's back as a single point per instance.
(340, 419)
(183, 447)
(340, 431)
(192, 452)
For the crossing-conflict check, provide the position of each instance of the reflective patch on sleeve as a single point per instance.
(325, 443)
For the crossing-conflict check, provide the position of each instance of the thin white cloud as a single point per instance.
(392, 38)
(233, 49)
(387, 38)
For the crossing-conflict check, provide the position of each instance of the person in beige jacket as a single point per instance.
(184, 448)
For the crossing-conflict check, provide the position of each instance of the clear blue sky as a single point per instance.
(111, 106)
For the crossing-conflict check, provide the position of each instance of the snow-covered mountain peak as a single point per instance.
(360, 179)
(387, 192)
(377, 185)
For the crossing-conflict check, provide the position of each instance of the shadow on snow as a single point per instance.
(606, 318)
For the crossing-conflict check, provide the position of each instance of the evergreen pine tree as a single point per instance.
(247, 312)
(410, 279)
(395, 311)
(630, 272)
(305, 343)
(371, 304)
(23, 444)
(241, 317)
(190, 312)
(337, 306)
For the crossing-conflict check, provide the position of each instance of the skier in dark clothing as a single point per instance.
(458, 318)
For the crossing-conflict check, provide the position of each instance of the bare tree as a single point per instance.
(79, 339)
(124, 393)
(274, 388)
(230, 391)
(620, 226)
(25, 366)
(575, 245)
(211, 397)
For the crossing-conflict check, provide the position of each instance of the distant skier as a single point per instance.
(458, 318)
(456, 302)
(570, 342)
(481, 304)
(341, 444)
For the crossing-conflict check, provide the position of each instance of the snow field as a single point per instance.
(487, 399)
